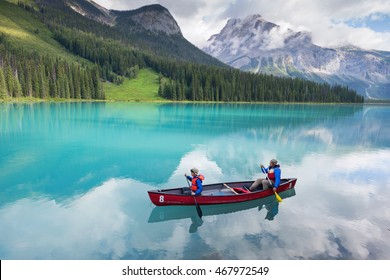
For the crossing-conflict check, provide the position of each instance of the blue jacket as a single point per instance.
(198, 183)
(277, 173)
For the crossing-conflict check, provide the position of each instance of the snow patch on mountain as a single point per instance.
(256, 45)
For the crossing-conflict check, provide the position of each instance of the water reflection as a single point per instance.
(84, 144)
(333, 217)
(167, 213)
(58, 199)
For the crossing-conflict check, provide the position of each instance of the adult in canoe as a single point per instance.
(196, 181)
(217, 193)
(273, 174)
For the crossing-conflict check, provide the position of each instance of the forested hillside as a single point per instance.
(33, 75)
(33, 64)
(101, 53)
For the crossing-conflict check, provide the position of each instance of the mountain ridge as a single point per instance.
(98, 53)
(255, 45)
(102, 14)
(154, 18)
(150, 27)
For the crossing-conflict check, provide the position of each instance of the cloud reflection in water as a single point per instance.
(331, 217)
(339, 154)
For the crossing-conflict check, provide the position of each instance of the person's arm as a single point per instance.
(277, 177)
(200, 187)
(263, 169)
(188, 177)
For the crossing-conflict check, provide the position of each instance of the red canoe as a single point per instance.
(219, 193)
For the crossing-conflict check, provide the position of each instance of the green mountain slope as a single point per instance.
(26, 31)
(127, 26)
(144, 88)
(51, 49)
(34, 65)
(163, 38)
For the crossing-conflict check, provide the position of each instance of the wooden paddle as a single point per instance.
(278, 198)
(200, 214)
(230, 189)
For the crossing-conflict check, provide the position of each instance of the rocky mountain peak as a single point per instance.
(154, 18)
(253, 24)
(256, 45)
(243, 36)
(92, 10)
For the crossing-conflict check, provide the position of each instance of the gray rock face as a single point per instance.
(153, 18)
(92, 10)
(255, 45)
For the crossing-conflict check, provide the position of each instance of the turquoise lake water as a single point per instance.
(74, 179)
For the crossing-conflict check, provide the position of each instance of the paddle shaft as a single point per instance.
(278, 198)
(200, 214)
(230, 188)
(266, 176)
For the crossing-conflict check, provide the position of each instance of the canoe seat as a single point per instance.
(186, 191)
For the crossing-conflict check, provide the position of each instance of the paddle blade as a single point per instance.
(200, 214)
(199, 210)
(278, 198)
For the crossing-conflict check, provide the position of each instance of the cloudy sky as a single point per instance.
(363, 23)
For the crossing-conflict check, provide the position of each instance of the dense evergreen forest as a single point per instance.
(114, 57)
(24, 74)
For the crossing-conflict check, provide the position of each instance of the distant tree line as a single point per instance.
(202, 83)
(25, 74)
(181, 80)
(115, 57)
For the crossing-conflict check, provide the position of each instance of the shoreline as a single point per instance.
(61, 100)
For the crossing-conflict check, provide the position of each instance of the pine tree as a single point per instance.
(77, 84)
(22, 79)
(17, 87)
(71, 83)
(9, 79)
(35, 82)
(167, 91)
(3, 85)
(52, 87)
(44, 83)
(161, 90)
(65, 82)
(28, 84)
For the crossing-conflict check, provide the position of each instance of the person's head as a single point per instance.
(273, 162)
(194, 171)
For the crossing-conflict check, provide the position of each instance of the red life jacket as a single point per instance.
(194, 186)
(271, 174)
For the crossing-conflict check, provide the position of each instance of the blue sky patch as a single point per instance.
(378, 22)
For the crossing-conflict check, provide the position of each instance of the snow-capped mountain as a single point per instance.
(255, 45)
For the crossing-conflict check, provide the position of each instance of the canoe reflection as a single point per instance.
(167, 213)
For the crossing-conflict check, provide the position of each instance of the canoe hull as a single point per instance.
(214, 194)
(176, 212)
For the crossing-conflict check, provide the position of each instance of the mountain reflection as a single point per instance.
(88, 143)
(74, 181)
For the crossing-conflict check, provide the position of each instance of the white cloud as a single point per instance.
(325, 19)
